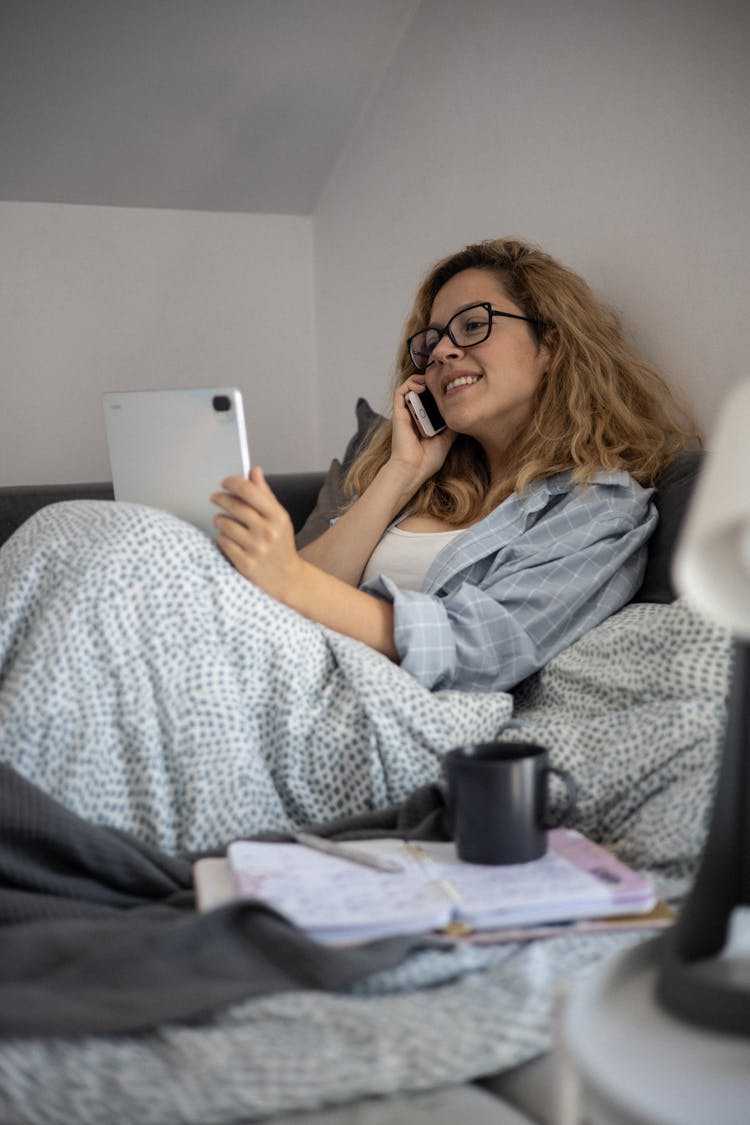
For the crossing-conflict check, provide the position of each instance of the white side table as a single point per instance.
(627, 1061)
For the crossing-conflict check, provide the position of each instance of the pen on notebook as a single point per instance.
(342, 851)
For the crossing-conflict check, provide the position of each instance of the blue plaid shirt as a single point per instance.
(508, 594)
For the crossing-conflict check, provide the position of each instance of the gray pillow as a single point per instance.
(331, 497)
(673, 490)
(367, 422)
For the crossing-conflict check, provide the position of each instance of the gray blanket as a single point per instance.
(185, 754)
(98, 932)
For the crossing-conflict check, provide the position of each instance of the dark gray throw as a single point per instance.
(98, 932)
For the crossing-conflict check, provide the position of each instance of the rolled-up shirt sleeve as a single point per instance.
(529, 580)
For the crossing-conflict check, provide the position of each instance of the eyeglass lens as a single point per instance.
(467, 327)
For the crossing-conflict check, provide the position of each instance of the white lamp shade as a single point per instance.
(712, 562)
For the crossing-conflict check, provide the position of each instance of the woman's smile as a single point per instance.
(452, 382)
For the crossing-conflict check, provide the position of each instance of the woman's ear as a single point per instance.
(550, 338)
(548, 343)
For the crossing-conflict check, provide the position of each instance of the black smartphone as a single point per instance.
(425, 413)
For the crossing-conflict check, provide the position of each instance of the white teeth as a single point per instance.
(461, 381)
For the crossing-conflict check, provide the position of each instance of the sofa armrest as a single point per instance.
(18, 502)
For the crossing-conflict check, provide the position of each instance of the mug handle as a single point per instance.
(570, 804)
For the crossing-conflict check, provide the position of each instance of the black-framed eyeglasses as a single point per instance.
(465, 328)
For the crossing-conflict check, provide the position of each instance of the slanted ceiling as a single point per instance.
(221, 105)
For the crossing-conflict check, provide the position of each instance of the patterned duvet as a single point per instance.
(146, 685)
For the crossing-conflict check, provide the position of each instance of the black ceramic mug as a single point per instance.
(499, 801)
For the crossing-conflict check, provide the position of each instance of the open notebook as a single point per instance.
(338, 901)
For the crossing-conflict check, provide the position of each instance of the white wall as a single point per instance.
(99, 298)
(615, 133)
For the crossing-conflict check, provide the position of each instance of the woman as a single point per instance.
(554, 434)
(148, 685)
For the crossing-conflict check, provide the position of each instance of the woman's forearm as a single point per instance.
(343, 550)
(338, 605)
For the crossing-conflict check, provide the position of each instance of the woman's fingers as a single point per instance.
(235, 507)
(253, 490)
(249, 502)
(255, 530)
(236, 554)
(256, 534)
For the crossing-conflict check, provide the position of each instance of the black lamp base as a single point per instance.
(700, 980)
(713, 992)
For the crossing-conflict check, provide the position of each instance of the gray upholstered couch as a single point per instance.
(297, 491)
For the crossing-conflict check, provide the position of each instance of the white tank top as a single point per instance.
(405, 556)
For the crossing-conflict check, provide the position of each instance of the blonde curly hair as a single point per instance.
(598, 406)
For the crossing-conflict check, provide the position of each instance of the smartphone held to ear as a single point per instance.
(425, 413)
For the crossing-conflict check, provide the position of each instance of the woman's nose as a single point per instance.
(445, 349)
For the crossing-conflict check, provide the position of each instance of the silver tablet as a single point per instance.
(171, 449)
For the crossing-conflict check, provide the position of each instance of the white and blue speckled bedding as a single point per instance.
(146, 685)
(179, 742)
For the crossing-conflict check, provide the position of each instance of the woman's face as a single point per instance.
(487, 390)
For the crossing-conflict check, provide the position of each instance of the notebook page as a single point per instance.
(334, 899)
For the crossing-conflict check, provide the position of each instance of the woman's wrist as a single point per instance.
(402, 480)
